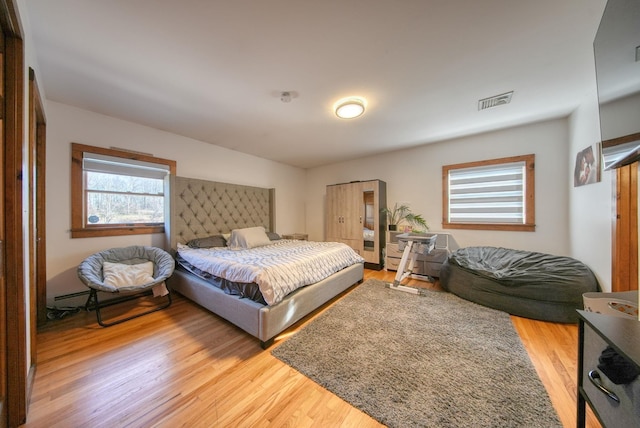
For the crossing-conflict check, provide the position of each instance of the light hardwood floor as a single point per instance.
(184, 366)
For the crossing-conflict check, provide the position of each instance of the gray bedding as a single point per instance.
(242, 289)
(528, 284)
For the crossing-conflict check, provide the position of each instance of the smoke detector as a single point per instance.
(495, 101)
(285, 97)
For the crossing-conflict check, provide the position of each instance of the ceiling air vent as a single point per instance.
(498, 100)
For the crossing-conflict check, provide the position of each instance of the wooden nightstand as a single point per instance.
(298, 236)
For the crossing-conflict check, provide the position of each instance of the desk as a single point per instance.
(428, 265)
(412, 244)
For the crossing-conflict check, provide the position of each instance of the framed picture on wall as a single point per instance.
(587, 169)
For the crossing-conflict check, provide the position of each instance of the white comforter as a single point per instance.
(279, 268)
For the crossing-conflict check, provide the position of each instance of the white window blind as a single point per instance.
(123, 191)
(492, 194)
(94, 162)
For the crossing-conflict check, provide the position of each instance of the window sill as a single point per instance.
(481, 226)
(115, 231)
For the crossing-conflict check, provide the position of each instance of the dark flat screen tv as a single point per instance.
(617, 58)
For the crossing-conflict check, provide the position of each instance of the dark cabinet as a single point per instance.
(608, 359)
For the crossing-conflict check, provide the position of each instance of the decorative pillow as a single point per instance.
(208, 242)
(124, 275)
(249, 237)
(273, 236)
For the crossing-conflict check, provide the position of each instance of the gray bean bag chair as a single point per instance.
(523, 283)
(105, 272)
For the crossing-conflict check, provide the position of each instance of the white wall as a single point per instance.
(569, 221)
(195, 159)
(414, 176)
(590, 206)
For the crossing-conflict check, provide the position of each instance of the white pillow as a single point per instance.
(249, 237)
(123, 275)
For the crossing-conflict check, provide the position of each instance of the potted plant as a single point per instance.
(402, 213)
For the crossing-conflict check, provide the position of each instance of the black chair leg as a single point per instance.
(94, 304)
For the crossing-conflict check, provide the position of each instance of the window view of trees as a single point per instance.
(123, 199)
(115, 192)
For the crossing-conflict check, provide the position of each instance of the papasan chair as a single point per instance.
(129, 272)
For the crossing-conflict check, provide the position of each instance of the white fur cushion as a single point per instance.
(123, 275)
(249, 237)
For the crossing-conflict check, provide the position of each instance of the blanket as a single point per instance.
(278, 268)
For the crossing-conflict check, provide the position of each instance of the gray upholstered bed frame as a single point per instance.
(200, 208)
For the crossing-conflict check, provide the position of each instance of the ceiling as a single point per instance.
(214, 70)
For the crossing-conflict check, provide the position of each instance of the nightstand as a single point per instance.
(298, 236)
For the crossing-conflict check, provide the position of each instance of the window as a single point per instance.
(115, 192)
(495, 194)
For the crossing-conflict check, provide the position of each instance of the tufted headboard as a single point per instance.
(200, 208)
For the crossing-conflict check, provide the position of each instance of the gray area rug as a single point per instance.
(434, 360)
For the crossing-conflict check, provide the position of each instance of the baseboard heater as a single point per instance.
(71, 295)
(72, 299)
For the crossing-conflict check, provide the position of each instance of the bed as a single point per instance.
(369, 237)
(523, 283)
(202, 211)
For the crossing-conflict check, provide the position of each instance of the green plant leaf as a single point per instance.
(400, 213)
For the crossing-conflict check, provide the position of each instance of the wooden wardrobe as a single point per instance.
(353, 217)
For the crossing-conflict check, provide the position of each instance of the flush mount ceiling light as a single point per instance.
(349, 108)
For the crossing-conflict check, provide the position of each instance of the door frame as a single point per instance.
(14, 329)
(37, 207)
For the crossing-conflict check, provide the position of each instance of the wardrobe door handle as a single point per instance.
(594, 377)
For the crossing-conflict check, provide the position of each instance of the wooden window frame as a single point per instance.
(79, 228)
(529, 195)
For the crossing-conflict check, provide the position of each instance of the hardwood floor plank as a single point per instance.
(184, 366)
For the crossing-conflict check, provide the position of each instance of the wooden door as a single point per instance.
(333, 217)
(343, 218)
(369, 197)
(340, 211)
(37, 220)
(3, 284)
(624, 271)
(353, 213)
(13, 313)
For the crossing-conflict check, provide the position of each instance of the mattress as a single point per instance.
(278, 268)
(245, 290)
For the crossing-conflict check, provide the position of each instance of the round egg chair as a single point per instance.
(129, 273)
